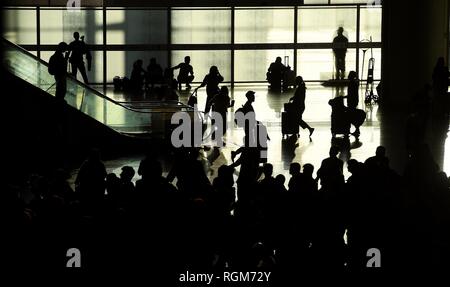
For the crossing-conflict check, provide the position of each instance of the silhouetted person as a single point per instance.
(221, 103)
(298, 101)
(275, 74)
(331, 170)
(441, 82)
(353, 102)
(169, 80)
(248, 174)
(78, 49)
(340, 45)
(126, 177)
(353, 91)
(247, 108)
(379, 161)
(154, 73)
(211, 81)
(250, 125)
(57, 66)
(280, 180)
(310, 183)
(186, 75)
(296, 177)
(225, 196)
(90, 181)
(137, 77)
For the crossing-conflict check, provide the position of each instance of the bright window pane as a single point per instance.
(136, 26)
(264, 26)
(120, 63)
(319, 64)
(371, 24)
(59, 25)
(319, 25)
(201, 26)
(252, 65)
(201, 61)
(19, 26)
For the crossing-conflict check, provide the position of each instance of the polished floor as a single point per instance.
(381, 128)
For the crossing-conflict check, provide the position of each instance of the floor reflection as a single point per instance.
(282, 152)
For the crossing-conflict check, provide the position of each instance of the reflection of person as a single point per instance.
(78, 49)
(186, 74)
(57, 67)
(211, 81)
(298, 101)
(340, 45)
(275, 74)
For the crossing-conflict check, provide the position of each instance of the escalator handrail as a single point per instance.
(86, 87)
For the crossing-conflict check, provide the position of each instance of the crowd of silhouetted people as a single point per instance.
(186, 222)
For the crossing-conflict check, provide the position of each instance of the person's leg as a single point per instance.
(208, 103)
(179, 82)
(224, 122)
(61, 87)
(305, 126)
(82, 69)
(343, 67)
(189, 81)
(74, 70)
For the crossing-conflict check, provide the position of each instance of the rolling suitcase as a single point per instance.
(340, 125)
(289, 124)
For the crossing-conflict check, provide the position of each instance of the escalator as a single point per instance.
(153, 122)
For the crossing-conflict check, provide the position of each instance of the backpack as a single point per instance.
(51, 66)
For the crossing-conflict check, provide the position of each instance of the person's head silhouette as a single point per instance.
(340, 31)
(334, 150)
(153, 61)
(224, 90)
(250, 95)
(352, 75)
(213, 70)
(299, 80)
(76, 35)
(294, 168)
(62, 47)
(187, 59)
(278, 60)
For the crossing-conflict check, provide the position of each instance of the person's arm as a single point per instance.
(176, 67)
(205, 80)
(191, 70)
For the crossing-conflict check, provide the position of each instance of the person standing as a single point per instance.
(78, 49)
(57, 67)
(298, 101)
(186, 75)
(353, 91)
(211, 81)
(340, 45)
(221, 103)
